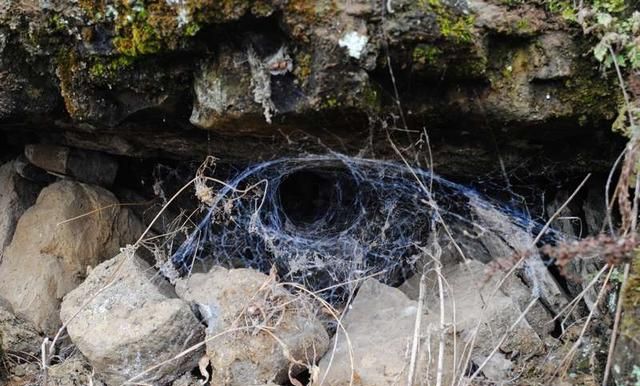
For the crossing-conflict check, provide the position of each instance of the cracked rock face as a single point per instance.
(145, 79)
(134, 324)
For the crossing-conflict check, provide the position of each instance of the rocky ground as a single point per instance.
(105, 107)
(125, 323)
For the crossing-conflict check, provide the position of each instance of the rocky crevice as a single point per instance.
(249, 81)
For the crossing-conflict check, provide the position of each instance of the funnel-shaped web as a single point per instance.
(322, 220)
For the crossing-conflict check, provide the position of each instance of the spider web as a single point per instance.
(373, 217)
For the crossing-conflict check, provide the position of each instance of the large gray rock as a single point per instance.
(134, 323)
(16, 195)
(381, 321)
(275, 326)
(379, 325)
(71, 227)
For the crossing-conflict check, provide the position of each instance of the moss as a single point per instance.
(262, 9)
(630, 324)
(219, 11)
(302, 68)
(458, 29)
(330, 102)
(512, 3)
(66, 63)
(57, 23)
(371, 98)
(523, 26)
(110, 68)
(593, 96)
(300, 14)
(312, 10)
(426, 54)
(144, 29)
(142, 40)
(191, 29)
(455, 27)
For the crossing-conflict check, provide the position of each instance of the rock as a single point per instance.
(626, 363)
(223, 90)
(498, 368)
(508, 241)
(477, 301)
(133, 324)
(30, 172)
(19, 347)
(380, 324)
(135, 79)
(85, 166)
(17, 336)
(73, 371)
(16, 195)
(253, 302)
(579, 271)
(186, 380)
(52, 247)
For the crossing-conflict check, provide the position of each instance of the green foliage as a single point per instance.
(613, 23)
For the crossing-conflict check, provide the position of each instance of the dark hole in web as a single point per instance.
(319, 200)
(306, 196)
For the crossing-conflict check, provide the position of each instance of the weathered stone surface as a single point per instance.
(17, 336)
(159, 68)
(16, 195)
(52, 247)
(85, 166)
(132, 325)
(274, 326)
(73, 371)
(381, 326)
(479, 305)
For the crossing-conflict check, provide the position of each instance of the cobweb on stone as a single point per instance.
(326, 220)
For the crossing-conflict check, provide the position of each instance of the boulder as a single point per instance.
(255, 328)
(16, 195)
(71, 227)
(380, 324)
(86, 166)
(29, 171)
(128, 319)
